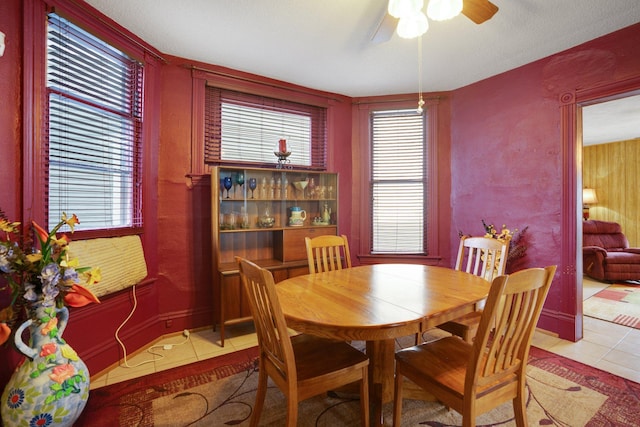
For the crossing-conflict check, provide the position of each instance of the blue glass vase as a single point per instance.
(50, 387)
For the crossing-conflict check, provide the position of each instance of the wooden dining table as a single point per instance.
(376, 304)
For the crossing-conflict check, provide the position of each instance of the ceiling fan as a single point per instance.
(478, 11)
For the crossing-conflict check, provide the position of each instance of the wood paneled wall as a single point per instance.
(613, 169)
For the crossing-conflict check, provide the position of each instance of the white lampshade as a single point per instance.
(441, 10)
(402, 8)
(413, 26)
(589, 196)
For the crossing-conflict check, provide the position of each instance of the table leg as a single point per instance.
(381, 374)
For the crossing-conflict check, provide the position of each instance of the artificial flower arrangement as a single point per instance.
(40, 274)
(517, 244)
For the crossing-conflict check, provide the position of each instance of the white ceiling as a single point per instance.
(326, 44)
(611, 121)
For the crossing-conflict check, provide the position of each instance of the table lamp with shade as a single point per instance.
(588, 198)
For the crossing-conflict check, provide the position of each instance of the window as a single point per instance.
(93, 130)
(245, 128)
(398, 182)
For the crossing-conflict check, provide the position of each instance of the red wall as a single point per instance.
(507, 156)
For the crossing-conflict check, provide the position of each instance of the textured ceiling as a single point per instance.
(326, 44)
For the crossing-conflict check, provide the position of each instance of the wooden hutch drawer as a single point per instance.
(289, 245)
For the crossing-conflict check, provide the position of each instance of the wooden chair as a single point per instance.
(327, 253)
(484, 257)
(301, 366)
(473, 378)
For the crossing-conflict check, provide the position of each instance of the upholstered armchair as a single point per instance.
(606, 254)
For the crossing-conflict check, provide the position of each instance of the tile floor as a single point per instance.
(607, 346)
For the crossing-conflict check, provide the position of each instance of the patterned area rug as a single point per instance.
(221, 392)
(617, 303)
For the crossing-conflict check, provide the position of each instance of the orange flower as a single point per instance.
(51, 325)
(79, 296)
(47, 349)
(62, 372)
(42, 233)
(5, 333)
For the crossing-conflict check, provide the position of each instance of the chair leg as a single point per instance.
(292, 411)
(397, 399)
(520, 406)
(364, 397)
(468, 413)
(260, 396)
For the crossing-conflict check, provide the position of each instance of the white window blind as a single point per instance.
(246, 128)
(398, 174)
(93, 127)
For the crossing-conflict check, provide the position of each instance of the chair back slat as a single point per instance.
(483, 256)
(507, 324)
(327, 253)
(271, 327)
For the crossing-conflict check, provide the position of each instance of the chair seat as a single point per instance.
(445, 359)
(338, 356)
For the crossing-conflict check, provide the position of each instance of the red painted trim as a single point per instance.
(570, 325)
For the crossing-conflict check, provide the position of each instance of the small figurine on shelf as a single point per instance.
(326, 214)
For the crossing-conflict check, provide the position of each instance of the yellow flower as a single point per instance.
(74, 263)
(93, 276)
(9, 227)
(33, 258)
(69, 352)
(71, 222)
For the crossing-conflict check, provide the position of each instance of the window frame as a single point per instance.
(66, 96)
(242, 82)
(214, 98)
(431, 254)
(35, 104)
(383, 181)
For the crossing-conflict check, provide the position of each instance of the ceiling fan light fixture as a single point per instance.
(413, 26)
(441, 10)
(403, 8)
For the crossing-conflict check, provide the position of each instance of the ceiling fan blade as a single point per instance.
(479, 10)
(384, 31)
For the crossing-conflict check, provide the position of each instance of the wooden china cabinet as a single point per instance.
(252, 217)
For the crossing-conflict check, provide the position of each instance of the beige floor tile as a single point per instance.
(603, 338)
(619, 370)
(582, 351)
(544, 340)
(122, 373)
(205, 346)
(630, 343)
(177, 355)
(602, 326)
(624, 359)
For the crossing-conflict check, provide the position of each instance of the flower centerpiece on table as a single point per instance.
(517, 242)
(40, 274)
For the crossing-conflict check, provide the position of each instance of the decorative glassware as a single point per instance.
(240, 180)
(253, 184)
(228, 183)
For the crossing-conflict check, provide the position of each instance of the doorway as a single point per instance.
(571, 110)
